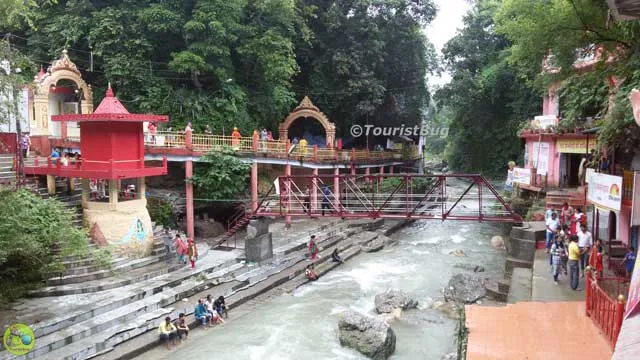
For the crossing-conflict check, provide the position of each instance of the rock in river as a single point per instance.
(497, 242)
(394, 299)
(458, 253)
(465, 289)
(371, 337)
(469, 267)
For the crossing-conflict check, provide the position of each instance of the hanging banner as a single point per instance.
(635, 202)
(634, 292)
(605, 191)
(540, 157)
(545, 121)
(588, 174)
(575, 146)
(521, 176)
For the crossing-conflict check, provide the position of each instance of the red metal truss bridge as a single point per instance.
(467, 197)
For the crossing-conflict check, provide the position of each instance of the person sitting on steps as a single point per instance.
(168, 333)
(183, 328)
(310, 273)
(201, 314)
(335, 256)
(220, 306)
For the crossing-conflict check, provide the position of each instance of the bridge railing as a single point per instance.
(605, 310)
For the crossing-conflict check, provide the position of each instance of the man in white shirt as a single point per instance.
(585, 241)
(553, 224)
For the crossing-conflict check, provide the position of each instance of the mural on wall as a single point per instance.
(136, 233)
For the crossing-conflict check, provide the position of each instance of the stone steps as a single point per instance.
(103, 273)
(150, 307)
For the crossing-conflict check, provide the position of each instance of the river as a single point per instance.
(303, 325)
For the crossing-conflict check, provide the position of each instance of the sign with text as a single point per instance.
(522, 176)
(575, 146)
(605, 191)
(540, 157)
(635, 202)
(545, 121)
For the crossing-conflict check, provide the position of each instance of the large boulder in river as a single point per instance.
(394, 299)
(497, 242)
(370, 336)
(465, 289)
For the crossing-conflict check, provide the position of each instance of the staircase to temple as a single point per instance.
(556, 199)
(7, 173)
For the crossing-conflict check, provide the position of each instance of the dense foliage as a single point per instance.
(30, 228)
(485, 101)
(239, 62)
(221, 176)
(570, 31)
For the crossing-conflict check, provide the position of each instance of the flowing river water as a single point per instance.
(303, 324)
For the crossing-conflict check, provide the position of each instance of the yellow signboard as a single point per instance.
(574, 146)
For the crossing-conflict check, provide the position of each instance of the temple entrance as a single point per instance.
(309, 121)
(569, 166)
(309, 129)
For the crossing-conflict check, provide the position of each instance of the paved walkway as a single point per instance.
(532, 331)
(553, 325)
(543, 288)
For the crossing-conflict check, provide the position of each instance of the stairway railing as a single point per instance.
(605, 311)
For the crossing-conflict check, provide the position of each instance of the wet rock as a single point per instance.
(394, 299)
(387, 240)
(449, 309)
(465, 289)
(374, 245)
(497, 242)
(370, 336)
(469, 267)
(458, 253)
(422, 318)
(451, 356)
(390, 317)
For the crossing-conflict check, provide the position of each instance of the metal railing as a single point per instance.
(606, 311)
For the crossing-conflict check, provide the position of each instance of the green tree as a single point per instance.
(485, 99)
(30, 228)
(221, 176)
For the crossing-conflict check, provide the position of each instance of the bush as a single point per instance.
(30, 229)
(160, 212)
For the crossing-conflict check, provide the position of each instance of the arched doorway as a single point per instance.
(59, 90)
(304, 110)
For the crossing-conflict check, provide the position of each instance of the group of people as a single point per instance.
(186, 251)
(209, 312)
(313, 250)
(570, 245)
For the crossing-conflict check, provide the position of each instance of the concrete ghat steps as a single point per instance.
(109, 301)
(273, 277)
(150, 308)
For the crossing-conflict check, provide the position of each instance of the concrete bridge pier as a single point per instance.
(254, 186)
(314, 191)
(188, 166)
(287, 217)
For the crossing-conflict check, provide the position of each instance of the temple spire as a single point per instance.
(109, 91)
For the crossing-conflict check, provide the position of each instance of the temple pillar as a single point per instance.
(51, 184)
(189, 195)
(86, 192)
(336, 188)
(114, 185)
(287, 217)
(313, 191)
(254, 186)
(141, 188)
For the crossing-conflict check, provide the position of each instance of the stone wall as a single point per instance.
(125, 225)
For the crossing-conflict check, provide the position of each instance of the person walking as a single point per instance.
(629, 262)
(235, 138)
(585, 242)
(326, 193)
(557, 254)
(574, 257)
(313, 248)
(552, 224)
(192, 252)
(166, 239)
(25, 144)
(181, 249)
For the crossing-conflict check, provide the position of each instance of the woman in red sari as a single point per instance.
(313, 248)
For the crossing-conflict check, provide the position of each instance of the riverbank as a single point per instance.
(292, 321)
(288, 263)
